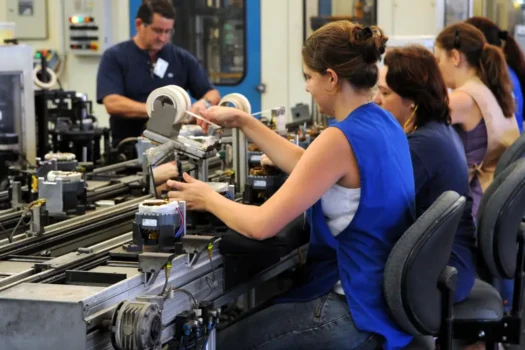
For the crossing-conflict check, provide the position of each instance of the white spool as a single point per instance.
(53, 78)
(158, 206)
(178, 97)
(69, 176)
(238, 101)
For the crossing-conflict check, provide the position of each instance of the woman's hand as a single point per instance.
(227, 117)
(266, 161)
(164, 172)
(194, 192)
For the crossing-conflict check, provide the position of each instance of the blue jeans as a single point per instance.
(323, 323)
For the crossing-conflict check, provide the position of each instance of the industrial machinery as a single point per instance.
(66, 124)
(103, 297)
(17, 116)
(167, 108)
(165, 281)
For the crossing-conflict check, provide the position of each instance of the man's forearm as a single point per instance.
(123, 106)
(213, 96)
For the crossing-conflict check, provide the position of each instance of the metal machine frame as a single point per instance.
(18, 59)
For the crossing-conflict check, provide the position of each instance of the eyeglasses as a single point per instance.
(160, 31)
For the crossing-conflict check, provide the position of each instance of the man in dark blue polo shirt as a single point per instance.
(131, 70)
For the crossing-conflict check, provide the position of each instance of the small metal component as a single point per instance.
(16, 194)
(481, 334)
(36, 228)
(195, 245)
(152, 263)
(84, 250)
(231, 190)
(182, 207)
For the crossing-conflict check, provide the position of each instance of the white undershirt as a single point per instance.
(339, 207)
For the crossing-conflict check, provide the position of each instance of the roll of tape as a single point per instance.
(40, 83)
(158, 206)
(238, 101)
(174, 95)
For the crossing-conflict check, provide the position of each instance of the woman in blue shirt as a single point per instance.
(513, 55)
(356, 183)
(411, 87)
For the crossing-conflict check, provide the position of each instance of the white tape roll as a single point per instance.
(238, 101)
(158, 206)
(70, 176)
(174, 95)
(40, 83)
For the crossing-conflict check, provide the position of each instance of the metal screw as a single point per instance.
(481, 334)
(504, 338)
(505, 325)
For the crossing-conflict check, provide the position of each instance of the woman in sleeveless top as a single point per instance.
(481, 103)
(363, 161)
(516, 67)
(411, 87)
(513, 56)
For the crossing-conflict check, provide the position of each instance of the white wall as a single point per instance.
(80, 74)
(282, 38)
(281, 42)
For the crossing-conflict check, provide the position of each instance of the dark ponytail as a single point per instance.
(494, 73)
(488, 59)
(495, 36)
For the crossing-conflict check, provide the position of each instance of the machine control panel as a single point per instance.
(88, 26)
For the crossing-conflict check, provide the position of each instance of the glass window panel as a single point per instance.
(214, 32)
(456, 11)
(320, 12)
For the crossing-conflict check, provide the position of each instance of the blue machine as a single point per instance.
(249, 84)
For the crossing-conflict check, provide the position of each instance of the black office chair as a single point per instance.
(418, 285)
(501, 245)
(511, 154)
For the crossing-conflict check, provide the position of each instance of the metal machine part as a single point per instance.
(142, 145)
(137, 326)
(56, 161)
(167, 108)
(66, 124)
(83, 312)
(64, 193)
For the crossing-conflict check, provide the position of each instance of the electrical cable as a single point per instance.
(52, 78)
(181, 227)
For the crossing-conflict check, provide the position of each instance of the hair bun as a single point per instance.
(372, 42)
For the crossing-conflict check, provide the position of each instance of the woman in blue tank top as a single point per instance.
(411, 87)
(356, 183)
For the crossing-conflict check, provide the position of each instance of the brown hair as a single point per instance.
(487, 59)
(495, 36)
(413, 74)
(161, 7)
(350, 49)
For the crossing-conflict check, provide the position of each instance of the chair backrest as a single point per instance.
(415, 263)
(499, 217)
(511, 154)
